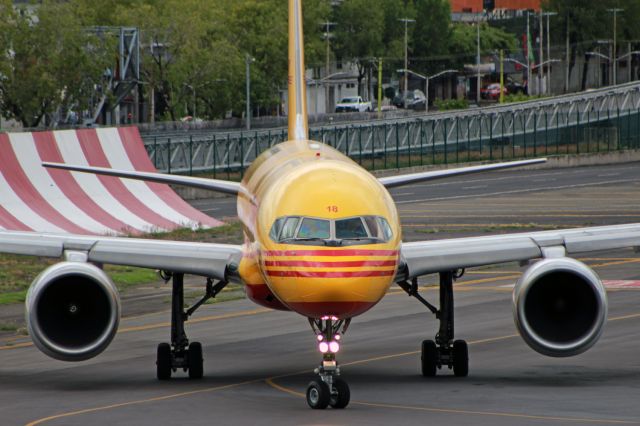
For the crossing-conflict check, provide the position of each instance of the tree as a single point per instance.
(48, 61)
(359, 33)
(431, 33)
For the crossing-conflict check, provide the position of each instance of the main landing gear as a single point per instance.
(180, 353)
(329, 389)
(444, 351)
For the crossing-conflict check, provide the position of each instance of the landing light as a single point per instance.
(324, 347)
(334, 347)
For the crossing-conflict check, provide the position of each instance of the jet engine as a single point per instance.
(560, 307)
(72, 311)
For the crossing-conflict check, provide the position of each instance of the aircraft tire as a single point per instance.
(318, 395)
(196, 369)
(163, 362)
(429, 358)
(342, 394)
(460, 358)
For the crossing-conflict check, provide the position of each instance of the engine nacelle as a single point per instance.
(560, 307)
(73, 311)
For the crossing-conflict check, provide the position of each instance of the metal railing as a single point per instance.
(600, 120)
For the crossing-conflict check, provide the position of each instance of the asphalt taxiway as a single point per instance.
(258, 362)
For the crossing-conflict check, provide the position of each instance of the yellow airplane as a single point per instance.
(323, 239)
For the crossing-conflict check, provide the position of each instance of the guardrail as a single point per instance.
(599, 120)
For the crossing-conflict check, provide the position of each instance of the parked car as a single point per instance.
(492, 91)
(513, 87)
(415, 99)
(353, 104)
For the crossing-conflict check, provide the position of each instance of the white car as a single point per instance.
(353, 104)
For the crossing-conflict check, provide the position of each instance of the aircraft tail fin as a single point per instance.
(298, 119)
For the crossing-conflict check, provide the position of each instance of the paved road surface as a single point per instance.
(257, 363)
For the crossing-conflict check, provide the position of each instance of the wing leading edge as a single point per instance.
(217, 185)
(401, 180)
(426, 257)
(218, 261)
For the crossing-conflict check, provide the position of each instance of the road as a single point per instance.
(258, 362)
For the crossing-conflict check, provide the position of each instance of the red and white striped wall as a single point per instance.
(34, 198)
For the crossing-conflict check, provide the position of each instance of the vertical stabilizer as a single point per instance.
(298, 122)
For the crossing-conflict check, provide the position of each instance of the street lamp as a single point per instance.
(248, 60)
(615, 39)
(426, 82)
(406, 52)
(548, 14)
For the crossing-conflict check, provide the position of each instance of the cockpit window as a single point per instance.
(314, 228)
(350, 228)
(289, 228)
(324, 232)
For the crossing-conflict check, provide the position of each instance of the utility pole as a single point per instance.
(379, 86)
(478, 82)
(541, 66)
(614, 54)
(327, 70)
(406, 56)
(529, 45)
(567, 60)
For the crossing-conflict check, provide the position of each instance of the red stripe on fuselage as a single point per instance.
(340, 309)
(346, 252)
(351, 264)
(326, 274)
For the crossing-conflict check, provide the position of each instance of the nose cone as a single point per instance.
(341, 282)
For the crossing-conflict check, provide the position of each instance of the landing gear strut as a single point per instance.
(329, 389)
(444, 351)
(180, 353)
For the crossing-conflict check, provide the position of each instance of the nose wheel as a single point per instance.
(328, 390)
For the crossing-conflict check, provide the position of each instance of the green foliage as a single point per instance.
(521, 97)
(449, 104)
(431, 33)
(48, 61)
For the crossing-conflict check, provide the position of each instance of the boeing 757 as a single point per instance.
(322, 238)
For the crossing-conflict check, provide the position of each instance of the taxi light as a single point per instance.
(320, 337)
(337, 337)
(334, 347)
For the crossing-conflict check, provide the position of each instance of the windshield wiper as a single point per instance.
(304, 239)
(374, 239)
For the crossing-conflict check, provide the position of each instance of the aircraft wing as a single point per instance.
(401, 180)
(426, 257)
(217, 185)
(218, 261)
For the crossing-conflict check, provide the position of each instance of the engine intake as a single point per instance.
(72, 311)
(560, 307)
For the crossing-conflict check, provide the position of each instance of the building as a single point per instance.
(475, 6)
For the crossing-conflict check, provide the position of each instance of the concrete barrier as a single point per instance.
(33, 198)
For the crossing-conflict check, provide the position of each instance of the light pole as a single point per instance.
(248, 60)
(426, 81)
(406, 55)
(327, 65)
(615, 40)
(548, 14)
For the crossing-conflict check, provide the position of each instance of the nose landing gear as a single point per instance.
(329, 389)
